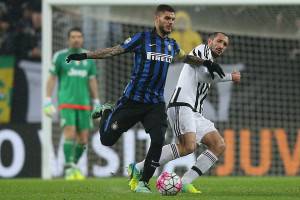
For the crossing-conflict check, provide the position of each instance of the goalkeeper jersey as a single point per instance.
(73, 80)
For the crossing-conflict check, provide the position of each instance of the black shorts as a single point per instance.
(128, 112)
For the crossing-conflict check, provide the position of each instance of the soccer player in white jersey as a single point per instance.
(185, 114)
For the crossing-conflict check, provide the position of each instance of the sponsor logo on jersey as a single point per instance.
(77, 72)
(159, 57)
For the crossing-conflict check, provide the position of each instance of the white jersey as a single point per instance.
(194, 82)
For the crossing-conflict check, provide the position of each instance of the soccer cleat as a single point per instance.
(78, 174)
(99, 109)
(142, 187)
(70, 174)
(190, 188)
(134, 176)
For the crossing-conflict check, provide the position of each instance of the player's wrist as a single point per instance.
(96, 101)
(207, 63)
(48, 101)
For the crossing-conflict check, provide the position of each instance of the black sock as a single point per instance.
(151, 162)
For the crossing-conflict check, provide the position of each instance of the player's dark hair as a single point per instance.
(76, 29)
(214, 34)
(163, 8)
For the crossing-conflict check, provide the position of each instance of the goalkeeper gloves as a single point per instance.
(214, 67)
(96, 103)
(76, 56)
(49, 108)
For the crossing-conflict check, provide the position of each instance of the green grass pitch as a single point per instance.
(218, 188)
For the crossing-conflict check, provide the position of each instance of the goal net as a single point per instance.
(259, 118)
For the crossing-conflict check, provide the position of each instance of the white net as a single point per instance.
(259, 118)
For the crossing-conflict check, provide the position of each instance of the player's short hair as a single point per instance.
(163, 8)
(214, 34)
(76, 29)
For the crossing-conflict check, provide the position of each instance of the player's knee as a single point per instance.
(106, 141)
(218, 147)
(190, 148)
(221, 147)
(187, 148)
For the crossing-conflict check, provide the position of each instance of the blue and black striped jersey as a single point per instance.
(153, 55)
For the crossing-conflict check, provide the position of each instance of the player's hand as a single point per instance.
(236, 77)
(214, 67)
(76, 56)
(96, 104)
(49, 108)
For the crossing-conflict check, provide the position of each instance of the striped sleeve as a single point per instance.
(132, 43)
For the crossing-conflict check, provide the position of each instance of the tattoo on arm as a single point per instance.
(193, 60)
(106, 52)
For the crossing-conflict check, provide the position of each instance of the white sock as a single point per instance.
(204, 162)
(169, 152)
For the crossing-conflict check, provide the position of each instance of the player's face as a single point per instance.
(218, 44)
(75, 39)
(164, 22)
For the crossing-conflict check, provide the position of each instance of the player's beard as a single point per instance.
(162, 30)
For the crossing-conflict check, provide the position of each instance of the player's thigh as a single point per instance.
(182, 121)
(203, 127)
(83, 120)
(122, 118)
(67, 117)
(68, 123)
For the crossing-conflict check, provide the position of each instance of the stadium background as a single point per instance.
(261, 125)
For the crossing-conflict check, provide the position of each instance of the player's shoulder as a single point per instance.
(201, 51)
(201, 47)
(60, 53)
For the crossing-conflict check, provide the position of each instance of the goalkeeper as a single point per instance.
(76, 80)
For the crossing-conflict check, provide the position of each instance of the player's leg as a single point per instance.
(184, 128)
(67, 118)
(83, 125)
(117, 121)
(208, 135)
(155, 123)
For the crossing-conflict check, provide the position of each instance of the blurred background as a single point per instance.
(258, 118)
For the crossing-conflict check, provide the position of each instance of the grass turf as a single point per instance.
(219, 188)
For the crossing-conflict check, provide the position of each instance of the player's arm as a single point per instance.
(234, 77)
(94, 91)
(48, 107)
(98, 54)
(196, 61)
(129, 45)
(50, 85)
(106, 52)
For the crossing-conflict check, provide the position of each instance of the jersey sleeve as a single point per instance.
(177, 49)
(92, 71)
(54, 69)
(203, 52)
(131, 44)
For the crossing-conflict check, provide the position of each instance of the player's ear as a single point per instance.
(209, 41)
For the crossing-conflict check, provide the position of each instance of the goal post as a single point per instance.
(48, 48)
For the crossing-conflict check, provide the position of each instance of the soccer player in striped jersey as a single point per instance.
(143, 99)
(185, 114)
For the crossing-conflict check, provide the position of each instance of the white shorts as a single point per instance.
(183, 120)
